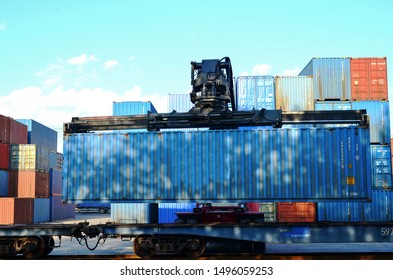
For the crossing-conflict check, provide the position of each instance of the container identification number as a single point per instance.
(386, 231)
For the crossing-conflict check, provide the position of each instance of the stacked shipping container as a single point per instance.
(29, 171)
(336, 84)
(365, 79)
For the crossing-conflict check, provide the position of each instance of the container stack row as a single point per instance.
(30, 174)
(335, 84)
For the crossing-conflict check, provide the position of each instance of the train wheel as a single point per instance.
(49, 244)
(144, 246)
(34, 247)
(195, 247)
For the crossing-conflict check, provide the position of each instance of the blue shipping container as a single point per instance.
(4, 183)
(379, 209)
(379, 119)
(40, 134)
(127, 108)
(381, 164)
(167, 211)
(255, 92)
(179, 102)
(41, 210)
(55, 181)
(218, 165)
(332, 78)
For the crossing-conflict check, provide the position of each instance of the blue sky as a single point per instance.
(60, 59)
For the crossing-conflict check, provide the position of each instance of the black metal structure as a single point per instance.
(215, 120)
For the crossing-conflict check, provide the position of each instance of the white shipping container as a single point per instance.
(134, 213)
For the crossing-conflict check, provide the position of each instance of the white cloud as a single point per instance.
(291, 72)
(81, 59)
(58, 106)
(110, 64)
(258, 70)
(261, 69)
(3, 26)
(245, 73)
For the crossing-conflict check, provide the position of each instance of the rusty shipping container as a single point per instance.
(25, 183)
(305, 164)
(12, 131)
(369, 78)
(4, 156)
(4, 129)
(294, 93)
(16, 210)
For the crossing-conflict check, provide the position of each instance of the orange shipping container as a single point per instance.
(369, 79)
(296, 212)
(24, 183)
(16, 210)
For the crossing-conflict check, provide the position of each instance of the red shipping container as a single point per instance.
(4, 156)
(24, 183)
(369, 79)
(18, 132)
(4, 129)
(16, 210)
(296, 212)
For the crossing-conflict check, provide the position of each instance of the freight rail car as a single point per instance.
(190, 240)
(310, 163)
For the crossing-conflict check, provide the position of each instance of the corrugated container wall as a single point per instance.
(369, 78)
(332, 78)
(294, 93)
(381, 166)
(255, 165)
(60, 210)
(18, 132)
(134, 213)
(179, 102)
(4, 129)
(55, 181)
(40, 134)
(379, 113)
(25, 183)
(296, 212)
(269, 209)
(127, 108)
(29, 157)
(41, 210)
(4, 176)
(167, 211)
(380, 209)
(255, 92)
(4, 156)
(16, 210)
(332, 105)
